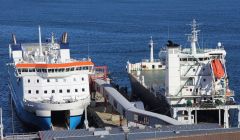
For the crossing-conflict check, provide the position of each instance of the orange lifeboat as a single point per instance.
(218, 68)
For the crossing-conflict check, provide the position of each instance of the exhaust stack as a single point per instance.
(14, 39)
(64, 37)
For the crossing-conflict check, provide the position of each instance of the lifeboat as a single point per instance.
(218, 69)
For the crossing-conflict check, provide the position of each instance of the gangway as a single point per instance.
(127, 110)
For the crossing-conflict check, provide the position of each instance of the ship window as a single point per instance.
(76, 90)
(38, 70)
(159, 66)
(67, 69)
(30, 70)
(37, 81)
(53, 91)
(48, 80)
(72, 69)
(29, 91)
(83, 89)
(78, 68)
(64, 80)
(24, 70)
(193, 70)
(56, 70)
(203, 69)
(185, 118)
(60, 91)
(28, 80)
(204, 80)
(82, 78)
(153, 67)
(19, 70)
(56, 80)
(44, 70)
(190, 89)
(45, 91)
(68, 91)
(74, 79)
(85, 68)
(37, 91)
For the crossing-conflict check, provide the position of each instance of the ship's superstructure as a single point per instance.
(46, 83)
(193, 79)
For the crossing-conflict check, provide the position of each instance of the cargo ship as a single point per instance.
(189, 84)
(47, 86)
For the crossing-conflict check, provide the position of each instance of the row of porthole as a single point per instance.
(56, 80)
(53, 91)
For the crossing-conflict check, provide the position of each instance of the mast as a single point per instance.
(193, 37)
(40, 41)
(151, 50)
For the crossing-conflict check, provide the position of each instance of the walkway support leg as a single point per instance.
(226, 120)
(195, 116)
(238, 117)
(189, 116)
(219, 117)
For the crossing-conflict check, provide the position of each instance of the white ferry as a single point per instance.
(46, 84)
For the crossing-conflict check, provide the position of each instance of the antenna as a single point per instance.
(40, 41)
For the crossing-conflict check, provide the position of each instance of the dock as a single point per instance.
(167, 132)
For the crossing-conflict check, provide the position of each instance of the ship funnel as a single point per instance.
(64, 37)
(14, 39)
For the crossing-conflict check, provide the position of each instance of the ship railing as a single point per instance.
(17, 136)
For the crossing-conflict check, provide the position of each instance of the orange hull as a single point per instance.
(218, 68)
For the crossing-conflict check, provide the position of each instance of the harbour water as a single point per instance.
(113, 32)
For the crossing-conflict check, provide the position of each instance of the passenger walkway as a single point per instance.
(128, 110)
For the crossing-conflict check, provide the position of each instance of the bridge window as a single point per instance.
(29, 91)
(82, 78)
(76, 90)
(37, 81)
(45, 91)
(24, 70)
(37, 91)
(60, 90)
(48, 80)
(53, 91)
(83, 89)
(68, 90)
(28, 80)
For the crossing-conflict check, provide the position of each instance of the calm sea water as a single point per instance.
(112, 32)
